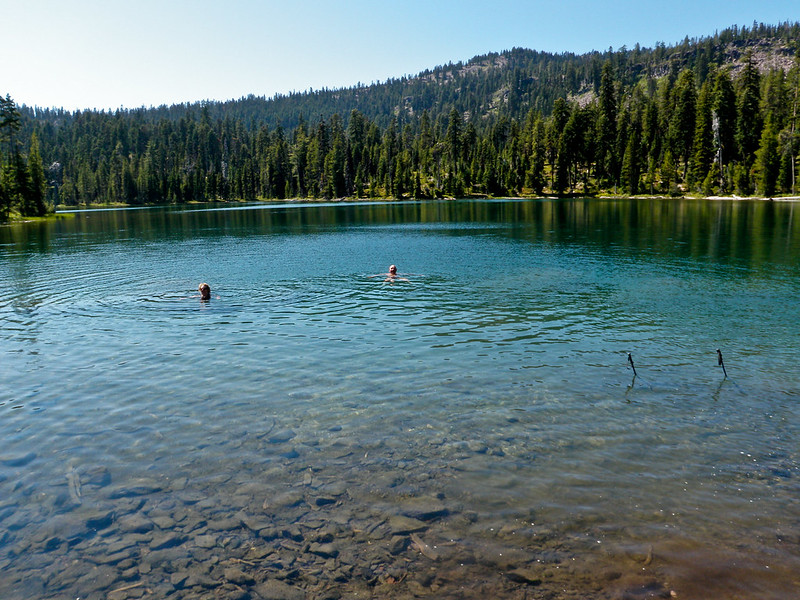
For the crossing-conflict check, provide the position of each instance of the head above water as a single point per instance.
(392, 270)
(205, 291)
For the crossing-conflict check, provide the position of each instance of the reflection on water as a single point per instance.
(476, 431)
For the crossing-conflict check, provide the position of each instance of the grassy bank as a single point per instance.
(15, 218)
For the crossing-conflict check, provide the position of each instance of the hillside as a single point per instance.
(510, 82)
(515, 122)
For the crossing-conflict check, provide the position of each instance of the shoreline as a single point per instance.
(62, 208)
(16, 219)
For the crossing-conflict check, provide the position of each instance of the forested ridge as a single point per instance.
(715, 115)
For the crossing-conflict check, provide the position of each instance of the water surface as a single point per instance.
(475, 431)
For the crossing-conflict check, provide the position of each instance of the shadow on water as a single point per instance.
(719, 231)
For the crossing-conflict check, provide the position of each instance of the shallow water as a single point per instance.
(286, 432)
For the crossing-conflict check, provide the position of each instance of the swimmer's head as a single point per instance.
(205, 291)
(393, 270)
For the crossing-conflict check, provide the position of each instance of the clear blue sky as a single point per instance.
(108, 54)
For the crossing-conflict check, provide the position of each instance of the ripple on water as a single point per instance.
(310, 422)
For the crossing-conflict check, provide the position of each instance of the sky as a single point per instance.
(107, 54)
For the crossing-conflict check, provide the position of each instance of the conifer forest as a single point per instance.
(710, 116)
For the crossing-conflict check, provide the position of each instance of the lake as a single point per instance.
(316, 431)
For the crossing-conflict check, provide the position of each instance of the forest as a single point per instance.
(709, 116)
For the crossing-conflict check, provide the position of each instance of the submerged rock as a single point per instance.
(205, 541)
(136, 487)
(277, 590)
(399, 525)
(98, 476)
(224, 524)
(237, 576)
(98, 579)
(281, 436)
(164, 521)
(168, 540)
(178, 579)
(426, 509)
(16, 460)
(284, 500)
(135, 524)
(99, 519)
(326, 550)
(398, 544)
(527, 576)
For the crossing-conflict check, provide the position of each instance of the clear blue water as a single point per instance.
(493, 385)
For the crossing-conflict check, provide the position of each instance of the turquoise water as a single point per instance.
(492, 389)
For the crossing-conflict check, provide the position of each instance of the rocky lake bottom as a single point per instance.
(374, 522)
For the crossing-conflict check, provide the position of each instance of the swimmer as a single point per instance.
(391, 275)
(205, 291)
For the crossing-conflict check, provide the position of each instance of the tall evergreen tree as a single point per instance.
(767, 161)
(35, 203)
(6, 198)
(748, 114)
(793, 133)
(9, 124)
(453, 139)
(631, 164)
(703, 145)
(774, 98)
(21, 193)
(682, 122)
(723, 121)
(554, 132)
(607, 158)
(534, 176)
(652, 140)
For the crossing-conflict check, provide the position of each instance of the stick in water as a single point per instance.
(721, 363)
(630, 360)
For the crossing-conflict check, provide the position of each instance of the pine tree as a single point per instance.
(22, 194)
(774, 98)
(682, 122)
(147, 181)
(334, 169)
(453, 139)
(748, 114)
(631, 164)
(794, 133)
(785, 171)
(723, 121)
(652, 140)
(703, 145)
(37, 187)
(562, 168)
(9, 124)
(534, 176)
(554, 132)
(767, 161)
(741, 180)
(6, 198)
(669, 175)
(711, 181)
(607, 157)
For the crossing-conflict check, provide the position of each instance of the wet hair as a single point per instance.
(205, 290)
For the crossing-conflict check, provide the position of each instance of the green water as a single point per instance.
(493, 386)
